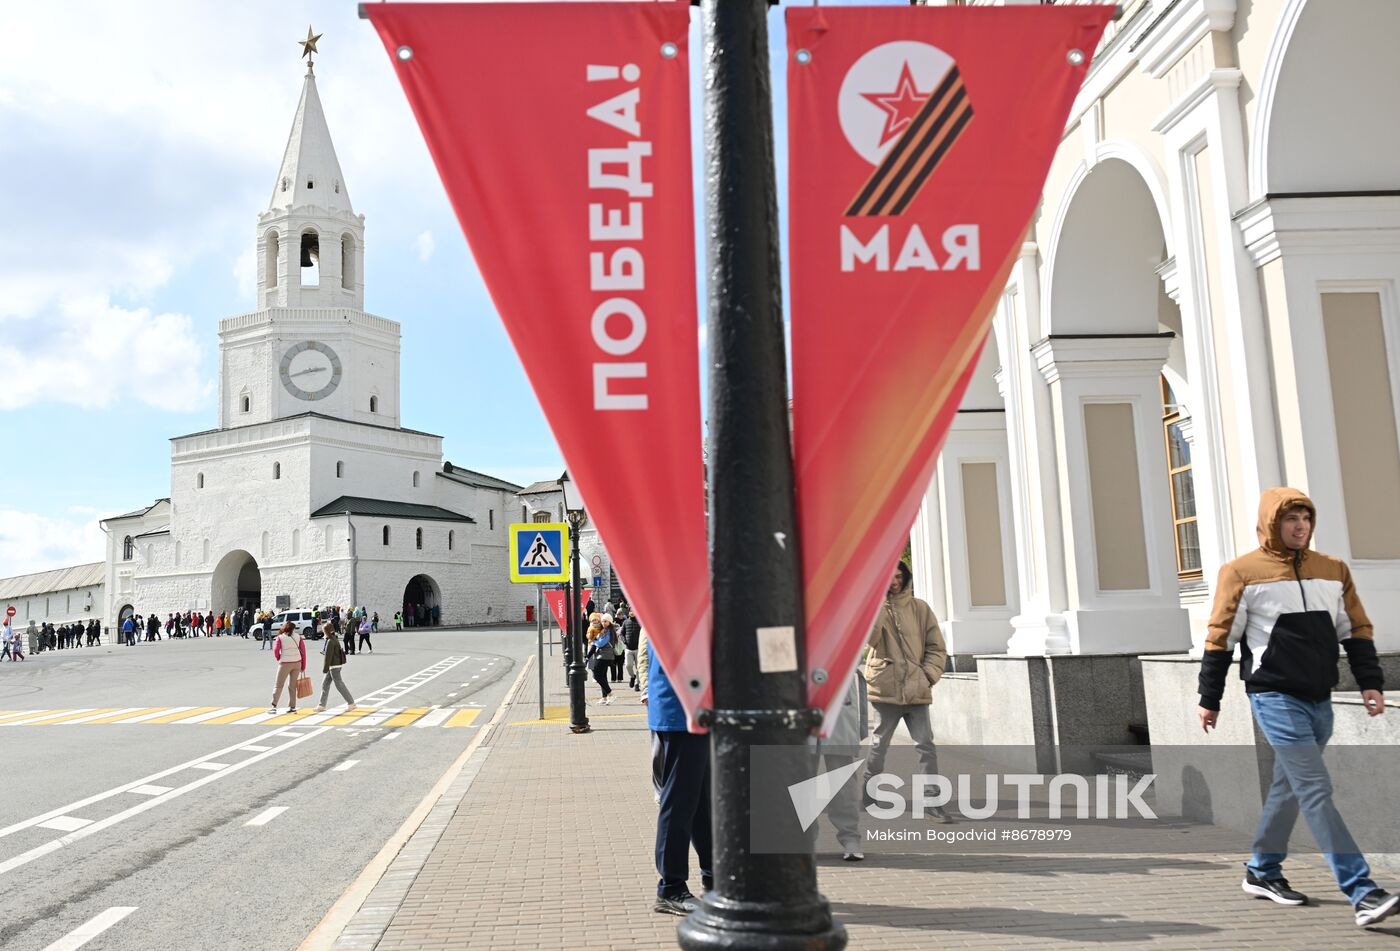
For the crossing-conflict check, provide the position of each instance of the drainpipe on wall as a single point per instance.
(353, 561)
(108, 574)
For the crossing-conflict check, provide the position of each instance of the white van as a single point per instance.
(303, 618)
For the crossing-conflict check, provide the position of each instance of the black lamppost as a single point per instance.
(760, 902)
(578, 674)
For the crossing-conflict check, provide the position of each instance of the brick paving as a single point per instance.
(535, 857)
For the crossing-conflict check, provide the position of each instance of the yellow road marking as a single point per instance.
(26, 714)
(75, 716)
(176, 717)
(463, 718)
(351, 716)
(240, 715)
(117, 718)
(407, 717)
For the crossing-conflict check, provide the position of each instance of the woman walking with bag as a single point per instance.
(600, 655)
(335, 660)
(289, 650)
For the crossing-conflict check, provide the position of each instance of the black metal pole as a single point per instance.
(578, 710)
(759, 901)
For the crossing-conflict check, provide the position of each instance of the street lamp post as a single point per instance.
(578, 715)
(760, 902)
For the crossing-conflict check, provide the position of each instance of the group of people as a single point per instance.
(237, 623)
(418, 615)
(1290, 610)
(48, 637)
(613, 639)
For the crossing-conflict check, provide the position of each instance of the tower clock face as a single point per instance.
(310, 370)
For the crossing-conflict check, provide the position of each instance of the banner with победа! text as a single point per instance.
(919, 142)
(561, 132)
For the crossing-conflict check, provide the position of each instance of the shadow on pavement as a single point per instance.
(1100, 929)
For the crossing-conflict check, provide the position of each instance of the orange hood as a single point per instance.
(1272, 506)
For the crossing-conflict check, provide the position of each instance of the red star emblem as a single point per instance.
(900, 106)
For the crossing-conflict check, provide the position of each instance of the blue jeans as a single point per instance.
(1298, 731)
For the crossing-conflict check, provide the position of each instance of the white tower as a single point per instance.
(309, 347)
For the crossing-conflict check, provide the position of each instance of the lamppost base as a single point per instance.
(723, 924)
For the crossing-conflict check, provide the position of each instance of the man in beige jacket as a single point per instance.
(906, 658)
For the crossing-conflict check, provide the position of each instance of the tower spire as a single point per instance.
(310, 173)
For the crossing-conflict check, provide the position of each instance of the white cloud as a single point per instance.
(424, 245)
(89, 352)
(30, 542)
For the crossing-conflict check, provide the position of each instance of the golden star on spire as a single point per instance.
(308, 46)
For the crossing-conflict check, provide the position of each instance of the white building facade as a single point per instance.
(310, 491)
(1207, 304)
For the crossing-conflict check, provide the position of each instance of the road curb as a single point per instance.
(364, 910)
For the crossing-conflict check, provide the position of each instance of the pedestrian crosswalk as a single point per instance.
(389, 717)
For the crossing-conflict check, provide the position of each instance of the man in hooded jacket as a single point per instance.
(906, 658)
(1291, 611)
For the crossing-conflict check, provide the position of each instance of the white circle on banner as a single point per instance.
(882, 91)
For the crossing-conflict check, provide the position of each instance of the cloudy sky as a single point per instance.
(138, 142)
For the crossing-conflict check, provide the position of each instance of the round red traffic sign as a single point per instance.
(10, 611)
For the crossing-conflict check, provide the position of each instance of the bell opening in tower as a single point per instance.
(310, 259)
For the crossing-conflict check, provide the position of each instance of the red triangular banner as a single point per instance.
(562, 134)
(554, 597)
(919, 142)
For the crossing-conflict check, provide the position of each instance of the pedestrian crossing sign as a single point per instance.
(539, 552)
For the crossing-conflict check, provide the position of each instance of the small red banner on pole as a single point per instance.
(562, 134)
(919, 142)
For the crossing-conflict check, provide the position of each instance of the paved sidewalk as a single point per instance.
(545, 842)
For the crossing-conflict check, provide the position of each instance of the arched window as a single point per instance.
(310, 257)
(128, 549)
(374, 404)
(296, 541)
(418, 539)
(199, 481)
(274, 251)
(266, 543)
(1183, 491)
(277, 470)
(177, 554)
(204, 552)
(415, 479)
(450, 536)
(339, 469)
(491, 519)
(386, 534)
(347, 262)
(245, 403)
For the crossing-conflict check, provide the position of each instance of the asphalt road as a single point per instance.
(97, 817)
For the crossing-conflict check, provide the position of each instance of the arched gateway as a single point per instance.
(237, 583)
(422, 601)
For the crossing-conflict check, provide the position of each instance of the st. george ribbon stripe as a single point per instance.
(905, 143)
(933, 105)
(932, 161)
(930, 148)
